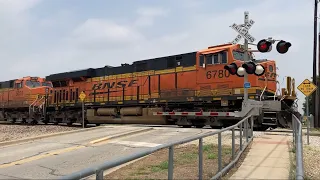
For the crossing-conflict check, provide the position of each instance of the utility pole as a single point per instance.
(314, 76)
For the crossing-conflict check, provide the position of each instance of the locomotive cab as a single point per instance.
(212, 75)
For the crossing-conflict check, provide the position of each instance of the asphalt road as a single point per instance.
(54, 157)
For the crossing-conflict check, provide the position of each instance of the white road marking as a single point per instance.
(135, 143)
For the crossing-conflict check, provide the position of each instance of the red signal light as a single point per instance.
(264, 46)
(252, 68)
(232, 68)
(283, 46)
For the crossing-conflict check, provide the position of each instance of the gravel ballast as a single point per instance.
(14, 132)
(311, 157)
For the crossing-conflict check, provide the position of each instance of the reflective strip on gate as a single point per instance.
(231, 114)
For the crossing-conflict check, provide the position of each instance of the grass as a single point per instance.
(155, 166)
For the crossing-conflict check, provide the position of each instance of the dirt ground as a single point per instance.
(155, 166)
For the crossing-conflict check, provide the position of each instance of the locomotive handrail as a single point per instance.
(278, 89)
(30, 106)
(265, 87)
(39, 100)
(248, 134)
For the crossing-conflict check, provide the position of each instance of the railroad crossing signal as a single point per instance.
(283, 46)
(265, 45)
(82, 96)
(307, 87)
(248, 67)
(243, 31)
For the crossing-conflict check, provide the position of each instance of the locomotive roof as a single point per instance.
(159, 63)
(7, 84)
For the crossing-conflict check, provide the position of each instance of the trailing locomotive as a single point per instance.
(130, 94)
(23, 100)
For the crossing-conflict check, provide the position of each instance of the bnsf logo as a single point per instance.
(110, 85)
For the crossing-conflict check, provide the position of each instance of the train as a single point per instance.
(132, 93)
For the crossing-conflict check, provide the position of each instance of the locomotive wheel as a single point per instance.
(34, 122)
(98, 124)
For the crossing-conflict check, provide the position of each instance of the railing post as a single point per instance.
(308, 129)
(200, 158)
(219, 152)
(247, 130)
(99, 174)
(170, 169)
(311, 121)
(233, 143)
(240, 136)
(252, 123)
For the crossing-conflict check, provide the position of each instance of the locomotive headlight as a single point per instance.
(241, 71)
(259, 70)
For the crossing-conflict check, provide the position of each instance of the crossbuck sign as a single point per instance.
(243, 31)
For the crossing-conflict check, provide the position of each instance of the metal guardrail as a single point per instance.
(245, 130)
(297, 141)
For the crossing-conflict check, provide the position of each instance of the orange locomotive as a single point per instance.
(23, 100)
(186, 82)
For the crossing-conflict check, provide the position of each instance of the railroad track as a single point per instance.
(42, 124)
(143, 125)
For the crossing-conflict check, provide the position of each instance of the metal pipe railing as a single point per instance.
(98, 170)
(298, 145)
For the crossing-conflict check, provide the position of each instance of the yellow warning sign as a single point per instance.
(82, 96)
(307, 87)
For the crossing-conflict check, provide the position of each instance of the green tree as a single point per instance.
(304, 106)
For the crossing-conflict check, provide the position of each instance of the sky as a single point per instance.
(42, 37)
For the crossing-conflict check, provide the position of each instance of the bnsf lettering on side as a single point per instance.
(110, 85)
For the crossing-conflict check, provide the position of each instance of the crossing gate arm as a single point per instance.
(200, 113)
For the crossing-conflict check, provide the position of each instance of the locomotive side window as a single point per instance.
(216, 58)
(201, 60)
(18, 85)
(224, 58)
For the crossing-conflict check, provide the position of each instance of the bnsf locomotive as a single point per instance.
(131, 93)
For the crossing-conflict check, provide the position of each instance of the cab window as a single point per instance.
(239, 55)
(46, 84)
(33, 84)
(18, 85)
(215, 58)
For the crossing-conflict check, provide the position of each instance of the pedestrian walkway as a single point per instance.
(268, 158)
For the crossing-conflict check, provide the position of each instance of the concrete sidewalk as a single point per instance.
(268, 158)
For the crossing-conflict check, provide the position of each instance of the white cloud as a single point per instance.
(147, 15)
(99, 33)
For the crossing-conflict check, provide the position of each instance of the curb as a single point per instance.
(46, 136)
(120, 135)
